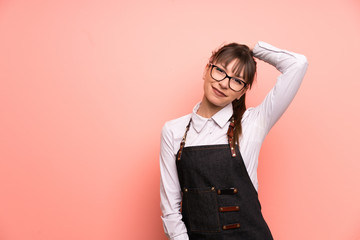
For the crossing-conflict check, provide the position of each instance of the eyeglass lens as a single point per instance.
(218, 74)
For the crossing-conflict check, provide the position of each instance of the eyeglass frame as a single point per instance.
(226, 76)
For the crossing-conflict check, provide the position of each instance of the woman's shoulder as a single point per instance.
(249, 114)
(176, 126)
(253, 117)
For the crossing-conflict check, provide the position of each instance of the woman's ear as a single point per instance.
(205, 70)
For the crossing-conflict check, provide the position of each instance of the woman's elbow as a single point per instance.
(303, 62)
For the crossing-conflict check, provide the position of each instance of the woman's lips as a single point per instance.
(219, 93)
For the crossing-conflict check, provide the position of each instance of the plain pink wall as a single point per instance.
(87, 85)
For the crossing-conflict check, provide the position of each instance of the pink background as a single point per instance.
(86, 87)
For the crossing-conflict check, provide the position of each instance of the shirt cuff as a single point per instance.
(267, 52)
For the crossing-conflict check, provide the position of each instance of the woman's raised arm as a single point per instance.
(292, 67)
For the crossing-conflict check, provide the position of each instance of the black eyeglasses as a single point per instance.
(219, 74)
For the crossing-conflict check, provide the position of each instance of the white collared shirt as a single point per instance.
(256, 123)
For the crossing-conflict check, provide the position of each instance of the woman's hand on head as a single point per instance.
(251, 45)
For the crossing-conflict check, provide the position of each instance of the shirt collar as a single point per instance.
(220, 118)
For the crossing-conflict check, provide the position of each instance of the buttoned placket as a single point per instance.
(211, 126)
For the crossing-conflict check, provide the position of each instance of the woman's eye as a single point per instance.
(238, 81)
(220, 70)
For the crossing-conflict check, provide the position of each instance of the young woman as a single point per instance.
(209, 158)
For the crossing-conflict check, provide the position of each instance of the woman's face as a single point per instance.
(219, 93)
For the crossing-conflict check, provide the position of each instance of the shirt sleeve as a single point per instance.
(292, 67)
(170, 191)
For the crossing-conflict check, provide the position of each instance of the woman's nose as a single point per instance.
(224, 83)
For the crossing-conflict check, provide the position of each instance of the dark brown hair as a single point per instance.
(244, 59)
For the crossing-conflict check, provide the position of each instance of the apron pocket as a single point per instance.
(201, 212)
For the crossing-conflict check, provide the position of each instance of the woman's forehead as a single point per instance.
(234, 65)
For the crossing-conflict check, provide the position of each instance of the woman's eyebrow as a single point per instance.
(240, 77)
(225, 68)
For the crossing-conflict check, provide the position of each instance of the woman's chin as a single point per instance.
(217, 103)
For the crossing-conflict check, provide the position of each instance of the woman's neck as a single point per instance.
(207, 109)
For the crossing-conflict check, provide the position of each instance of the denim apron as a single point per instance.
(219, 201)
